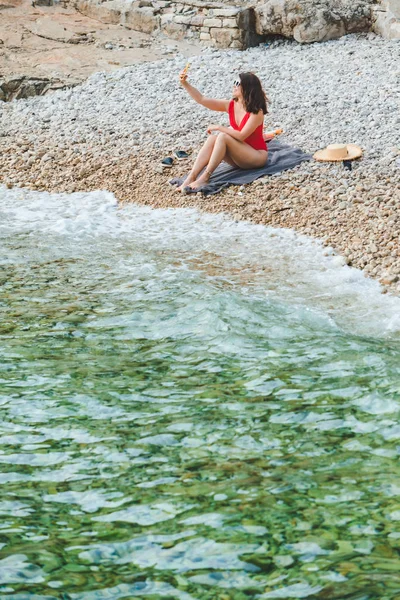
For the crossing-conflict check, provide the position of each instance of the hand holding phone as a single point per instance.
(183, 73)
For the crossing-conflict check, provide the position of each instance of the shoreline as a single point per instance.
(293, 199)
(112, 132)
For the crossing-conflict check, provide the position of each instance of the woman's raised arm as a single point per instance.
(211, 103)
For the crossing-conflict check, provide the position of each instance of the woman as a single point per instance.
(242, 144)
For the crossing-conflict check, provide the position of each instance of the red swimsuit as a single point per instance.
(255, 140)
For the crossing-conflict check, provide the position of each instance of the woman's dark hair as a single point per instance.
(254, 97)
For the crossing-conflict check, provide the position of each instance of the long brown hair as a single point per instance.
(254, 97)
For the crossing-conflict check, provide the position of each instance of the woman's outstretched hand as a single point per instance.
(212, 128)
(183, 77)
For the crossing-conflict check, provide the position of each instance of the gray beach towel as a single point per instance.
(280, 158)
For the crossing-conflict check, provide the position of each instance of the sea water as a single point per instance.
(191, 408)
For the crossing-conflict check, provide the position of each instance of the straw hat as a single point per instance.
(338, 152)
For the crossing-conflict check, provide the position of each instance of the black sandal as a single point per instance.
(181, 154)
(167, 162)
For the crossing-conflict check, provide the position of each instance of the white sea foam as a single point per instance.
(260, 261)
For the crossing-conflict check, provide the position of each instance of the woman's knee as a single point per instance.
(210, 141)
(221, 139)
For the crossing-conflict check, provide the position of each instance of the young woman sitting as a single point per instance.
(242, 144)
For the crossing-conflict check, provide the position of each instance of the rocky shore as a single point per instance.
(112, 131)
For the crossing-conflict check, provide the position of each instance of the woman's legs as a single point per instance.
(201, 161)
(233, 151)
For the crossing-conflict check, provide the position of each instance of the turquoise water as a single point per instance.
(191, 408)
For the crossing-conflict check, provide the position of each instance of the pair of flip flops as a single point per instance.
(169, 160)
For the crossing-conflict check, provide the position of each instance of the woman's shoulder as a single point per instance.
(259, 115)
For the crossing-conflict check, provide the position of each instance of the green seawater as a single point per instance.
(191, 408)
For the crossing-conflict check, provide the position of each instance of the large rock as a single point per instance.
(46, 27)
(20, 86)
(313, 20)
(111, 12)
(144, 19)
(387, 19)
(394, 7)
(131, 14)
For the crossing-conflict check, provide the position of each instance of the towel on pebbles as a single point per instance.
(280, 158)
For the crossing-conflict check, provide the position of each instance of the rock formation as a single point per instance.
(387, 19)
(313, 20)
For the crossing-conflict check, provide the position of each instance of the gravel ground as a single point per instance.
(111, 132)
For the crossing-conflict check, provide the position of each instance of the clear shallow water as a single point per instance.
(191, 408)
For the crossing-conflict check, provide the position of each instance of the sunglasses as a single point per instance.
(236, 83)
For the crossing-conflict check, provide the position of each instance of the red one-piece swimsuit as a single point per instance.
(255, 140)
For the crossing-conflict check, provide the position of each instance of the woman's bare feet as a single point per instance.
(189, 179)
(203, 179)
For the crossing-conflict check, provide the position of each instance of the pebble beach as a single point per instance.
(112, 131)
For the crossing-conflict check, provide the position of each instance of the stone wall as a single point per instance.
(213, 23)
(226, 25)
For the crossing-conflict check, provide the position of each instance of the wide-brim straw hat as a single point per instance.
(338, 152)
